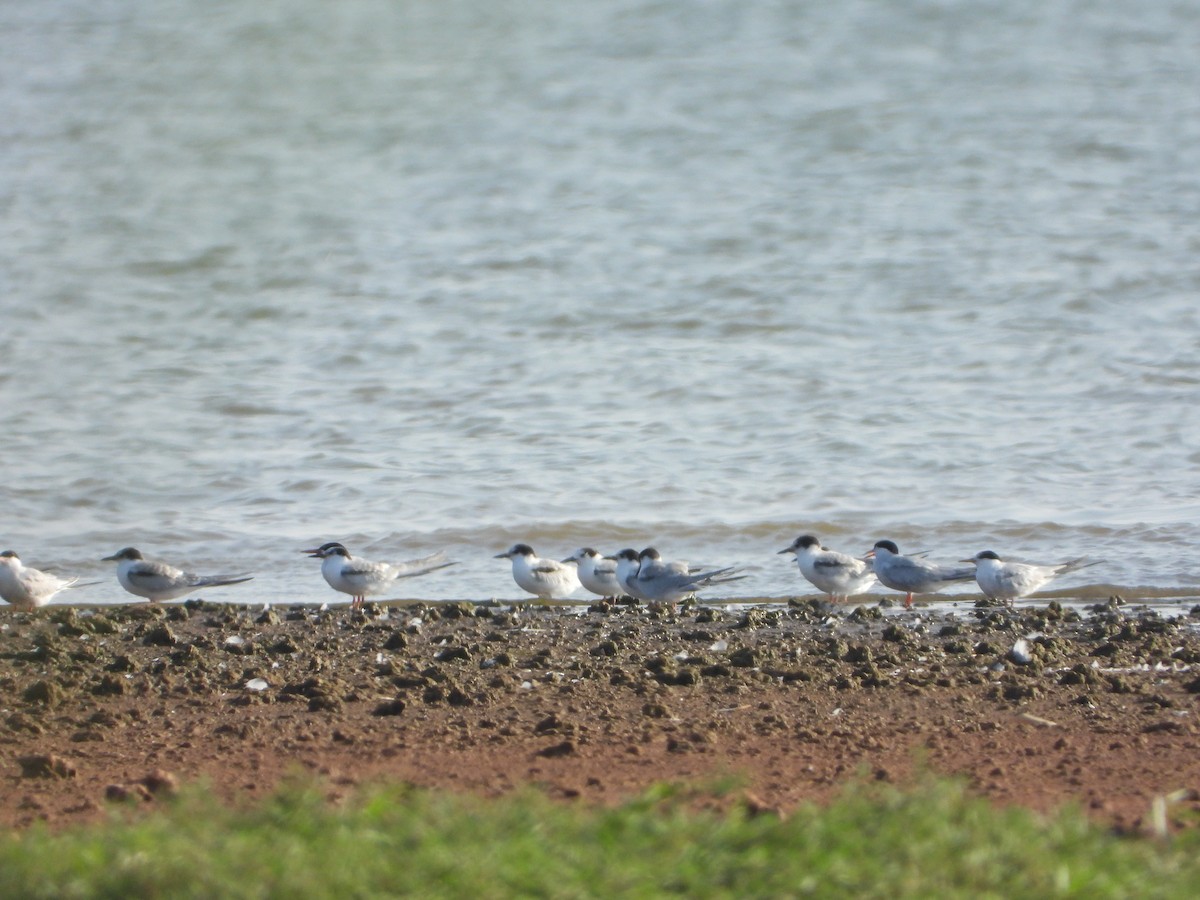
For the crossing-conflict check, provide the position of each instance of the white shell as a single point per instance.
(1020, 652)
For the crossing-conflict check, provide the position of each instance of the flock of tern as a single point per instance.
(642, 575)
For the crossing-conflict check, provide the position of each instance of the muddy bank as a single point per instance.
(1040, 706)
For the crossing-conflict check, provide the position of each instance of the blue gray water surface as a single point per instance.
(700, 274)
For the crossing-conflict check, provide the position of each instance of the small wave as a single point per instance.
(212, 258)
(246, 409)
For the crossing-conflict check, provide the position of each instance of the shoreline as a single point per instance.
(1081, 596)
(1041, 706)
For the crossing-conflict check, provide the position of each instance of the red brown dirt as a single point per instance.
(793, 703)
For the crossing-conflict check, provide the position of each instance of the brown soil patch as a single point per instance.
(103, 703)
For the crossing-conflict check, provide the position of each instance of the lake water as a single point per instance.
(705, 275)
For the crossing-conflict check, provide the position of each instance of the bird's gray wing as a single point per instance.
(911, 574)
(839, 562)
(214, 580)
(1023, 579)
(147, 572)
(425, 564)
(1073, 565)
(966, 573)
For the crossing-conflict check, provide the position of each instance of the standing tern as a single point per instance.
(157, 581)
(629, 561)
(836, 574)
(645, 576)
(549, 579)
(597, 573)
(361, 577)
(1007, 581)
(26, 588)
(911, 575)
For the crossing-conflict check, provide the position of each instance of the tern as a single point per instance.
(26, 588)
(913, 576)
(836, 574)
(1007, 581)
(597, 573)
(629, 561)
(157, 581)
(361, 577)
(645, 576)
(549, 579)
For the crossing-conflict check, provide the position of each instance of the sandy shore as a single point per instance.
(1098, 709)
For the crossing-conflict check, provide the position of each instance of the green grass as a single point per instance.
(924, 841)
